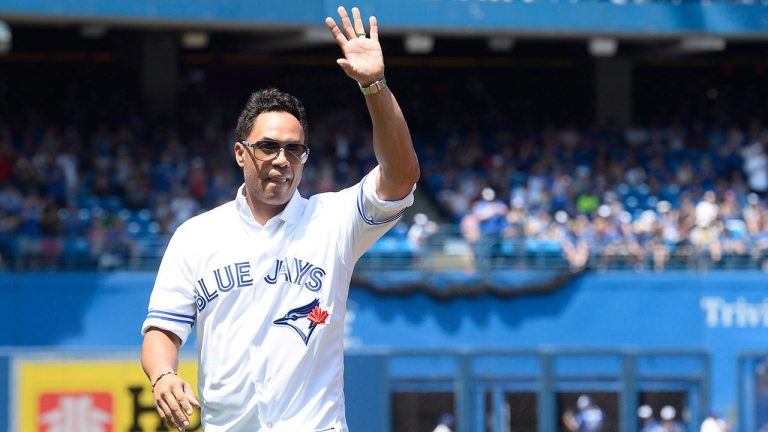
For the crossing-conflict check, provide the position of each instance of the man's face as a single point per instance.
(271, 183)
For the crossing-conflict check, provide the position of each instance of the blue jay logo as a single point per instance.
(304, 319)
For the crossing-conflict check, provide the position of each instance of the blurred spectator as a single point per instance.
(491, 216)
(705, 236)
(110, 244)
(470, 230)
(647, 422)
(588, 416)
(490, 213)
(197, 180)
(419, 234)
(713, 423)
(669, 423)
(182, 206)
(445, 423)
(624, 244)
(756, 166)
(576, 242)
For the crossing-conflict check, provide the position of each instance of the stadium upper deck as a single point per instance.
(636, 18)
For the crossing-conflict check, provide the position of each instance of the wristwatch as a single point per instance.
(375, 87)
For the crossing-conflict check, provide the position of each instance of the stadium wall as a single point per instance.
(723, 314)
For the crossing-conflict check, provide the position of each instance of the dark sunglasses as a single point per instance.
(267, 150)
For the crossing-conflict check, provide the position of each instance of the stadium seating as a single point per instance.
(86, 220)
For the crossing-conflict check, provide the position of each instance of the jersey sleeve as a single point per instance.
(172, 304)
(370, 218)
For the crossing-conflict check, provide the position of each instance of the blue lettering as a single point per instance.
(208, 296)
(199, 301)
(301, 270)
(285, 271)
(230, 280)
(315, 279)
(244, 278)
(272, 279)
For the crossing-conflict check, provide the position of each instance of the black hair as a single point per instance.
(269, 100)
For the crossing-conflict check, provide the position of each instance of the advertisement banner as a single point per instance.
(89, 395)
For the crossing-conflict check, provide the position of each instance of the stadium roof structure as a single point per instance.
(745, 19)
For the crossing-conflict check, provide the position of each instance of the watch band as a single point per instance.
(375, 87)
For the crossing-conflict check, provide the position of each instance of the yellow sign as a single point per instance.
(93, 395)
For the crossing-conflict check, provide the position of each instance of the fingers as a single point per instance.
(160, 407)
(183, 401)
(173, 414)
(165, 413)
(174, 400)
(359, 28)
(374, 25)
(353, 28)
(346, 23)
(337, 34)
(190, 394)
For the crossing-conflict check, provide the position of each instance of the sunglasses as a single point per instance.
(266, 150)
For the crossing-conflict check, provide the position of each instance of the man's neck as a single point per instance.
(262, 213)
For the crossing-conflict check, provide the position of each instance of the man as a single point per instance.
(668, 415)
(647, 422)
(264, 278)
(589, 416)
(714, 423)
(445, 423)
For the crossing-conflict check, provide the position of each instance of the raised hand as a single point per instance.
(363, 60)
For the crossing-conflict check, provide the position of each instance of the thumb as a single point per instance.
(345, 65)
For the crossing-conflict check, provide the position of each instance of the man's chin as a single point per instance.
(277, 199)
(276, 194)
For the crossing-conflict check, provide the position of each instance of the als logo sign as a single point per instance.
(87, 395)
(74, 412)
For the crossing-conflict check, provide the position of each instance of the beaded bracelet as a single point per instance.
(160, 376)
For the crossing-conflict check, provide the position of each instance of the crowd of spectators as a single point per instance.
(110, 197)
(644, 197)
(88, 176)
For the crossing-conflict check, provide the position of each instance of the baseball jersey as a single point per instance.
(267, 305)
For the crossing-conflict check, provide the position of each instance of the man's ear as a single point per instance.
(239, 157)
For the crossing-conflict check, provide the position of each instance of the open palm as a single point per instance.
(363, 60)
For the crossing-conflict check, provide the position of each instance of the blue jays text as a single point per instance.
(238, 275)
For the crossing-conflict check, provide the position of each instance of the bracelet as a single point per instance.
(160, 376)
(374, 87)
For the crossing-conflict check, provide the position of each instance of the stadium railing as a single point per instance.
(447, 249)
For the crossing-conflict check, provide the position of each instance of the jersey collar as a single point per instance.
(289, 214)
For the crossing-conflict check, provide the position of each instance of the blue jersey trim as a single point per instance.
(192, 317)
(170, 319)
(361, 209)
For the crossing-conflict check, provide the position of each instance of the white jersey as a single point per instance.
(267, 304)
